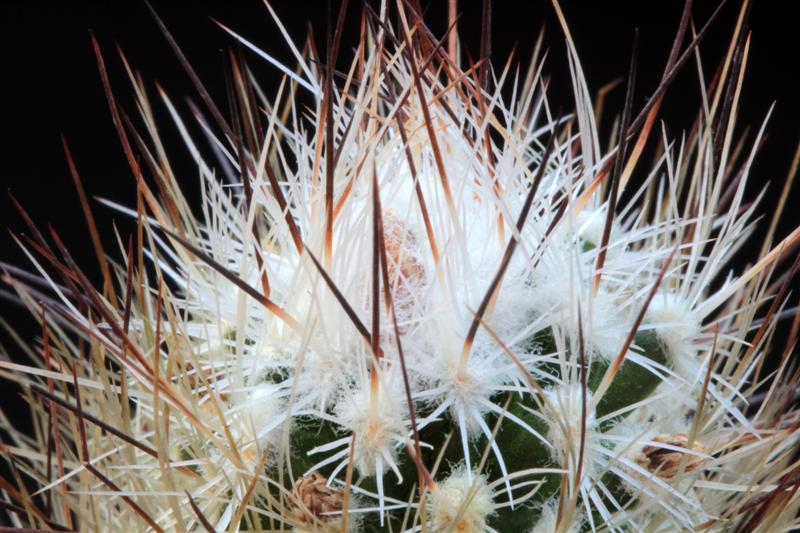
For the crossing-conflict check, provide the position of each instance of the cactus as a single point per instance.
(424, 307)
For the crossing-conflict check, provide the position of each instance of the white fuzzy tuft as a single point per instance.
(464, 496)
(548, 521)
(565, 428)
(377, 417)
(678, 330)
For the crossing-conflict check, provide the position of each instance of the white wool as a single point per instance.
(559, 291)
(466, 390)
(461, 489)
(587, 228)
(377, 417)
(671, 408)
(591, 224)
(548, 520)
(676, 326)
(260, 414)
(565, 425)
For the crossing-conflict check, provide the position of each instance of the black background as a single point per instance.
(50, 85)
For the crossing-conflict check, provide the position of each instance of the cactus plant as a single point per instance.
(420, 304)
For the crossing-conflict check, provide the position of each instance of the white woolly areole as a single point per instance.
(549, 519)
(589, 225)
(606, 320)
(261, 410)
(677, 328)
(457, 491)
(564, 426)
(254, 419)
(376, 418)
(671, 411)
(467, 390)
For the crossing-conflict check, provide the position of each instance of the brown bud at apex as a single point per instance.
(406, 271)
(665, 462)
(317, 497)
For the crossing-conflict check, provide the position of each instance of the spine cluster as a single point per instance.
(411, 302)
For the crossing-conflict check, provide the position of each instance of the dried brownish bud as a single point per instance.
(406, 271)
(665, 461)
(317, 498)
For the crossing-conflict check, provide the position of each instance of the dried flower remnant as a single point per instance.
(669, 453)
(319, 500)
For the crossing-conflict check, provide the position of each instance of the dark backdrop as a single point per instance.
(50, 85)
